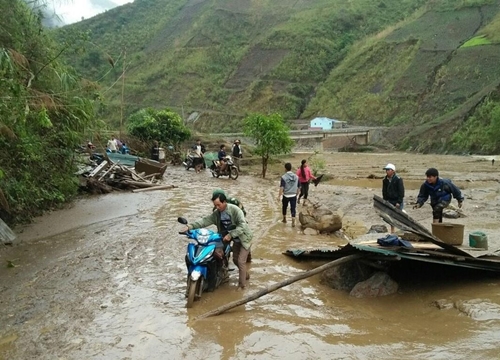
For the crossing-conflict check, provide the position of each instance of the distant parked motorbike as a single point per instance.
(231, 169)
(207, 262)
(192, 159)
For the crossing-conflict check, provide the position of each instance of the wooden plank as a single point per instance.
(416, 245)
(6, 234)
(159, 187)
(139, 183)
(98, 169)
(107, 171)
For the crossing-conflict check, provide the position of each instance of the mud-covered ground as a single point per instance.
(105, 278)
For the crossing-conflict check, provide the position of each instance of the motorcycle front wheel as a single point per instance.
(192, 285)
(233, 172)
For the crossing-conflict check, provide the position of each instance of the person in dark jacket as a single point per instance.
(440, 191)
(221, 155)
(237, 153)
(155, 151)
(393, 189)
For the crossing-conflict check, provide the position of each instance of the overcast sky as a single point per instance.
(71, 11)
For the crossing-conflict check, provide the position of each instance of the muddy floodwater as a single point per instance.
(105, 278)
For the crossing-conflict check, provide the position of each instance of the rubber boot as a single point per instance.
(293, 222)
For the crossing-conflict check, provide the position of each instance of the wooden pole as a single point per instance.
(159, 187)
(279, 285)
(123, 92)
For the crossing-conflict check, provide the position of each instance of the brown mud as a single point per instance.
(105, 278)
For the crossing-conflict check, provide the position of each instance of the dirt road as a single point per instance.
(105, 279)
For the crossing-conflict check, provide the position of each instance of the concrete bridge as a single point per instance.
(330, 139)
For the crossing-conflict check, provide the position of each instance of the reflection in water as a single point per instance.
(116, 290)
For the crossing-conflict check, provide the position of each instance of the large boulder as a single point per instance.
(346, 276)
(380, 284)
(323, 220)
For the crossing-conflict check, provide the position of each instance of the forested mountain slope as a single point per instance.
(426, 66)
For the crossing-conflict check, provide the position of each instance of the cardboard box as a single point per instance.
(449, 233)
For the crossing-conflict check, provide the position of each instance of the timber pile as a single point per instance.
(108, 176)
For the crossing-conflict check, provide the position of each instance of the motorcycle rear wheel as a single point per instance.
(191, 292)
(233, 173)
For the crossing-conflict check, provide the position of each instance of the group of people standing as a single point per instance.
(293, 187)
(115, 145)
(439, 190)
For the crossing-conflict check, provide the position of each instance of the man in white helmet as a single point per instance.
(393, 189)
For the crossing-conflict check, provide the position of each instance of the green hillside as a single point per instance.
(428, 67)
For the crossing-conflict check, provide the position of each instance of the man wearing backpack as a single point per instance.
(234, 201)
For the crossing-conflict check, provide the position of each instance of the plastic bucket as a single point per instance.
(478, 239)
(449, 233)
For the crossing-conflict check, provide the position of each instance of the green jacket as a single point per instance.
(242, 230)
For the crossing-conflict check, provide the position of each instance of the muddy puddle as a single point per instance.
(109, 280)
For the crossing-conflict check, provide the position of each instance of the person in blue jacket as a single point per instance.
(124, 149)
(440, 191)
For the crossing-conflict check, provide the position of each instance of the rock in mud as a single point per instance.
(380, 284)
(378, 229)
(319, 218)
(346, 276)
(478, 309)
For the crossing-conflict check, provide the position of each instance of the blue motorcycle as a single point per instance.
(207, 260)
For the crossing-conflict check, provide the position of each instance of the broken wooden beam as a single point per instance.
(138, 183)
(107, 171)
(279, 285)
(98, 169)
(152, 188)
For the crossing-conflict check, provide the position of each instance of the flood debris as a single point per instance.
(425, 248)
(105, 176)
(7, 236)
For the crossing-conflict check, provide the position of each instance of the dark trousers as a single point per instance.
(304, 190)
(437, 210)
(293, 204)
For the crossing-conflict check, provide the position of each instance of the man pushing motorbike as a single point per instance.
(238, 203)
(226, 215)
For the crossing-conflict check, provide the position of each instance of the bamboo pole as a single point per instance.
(159, 187)
(123, 93)
(279, 285)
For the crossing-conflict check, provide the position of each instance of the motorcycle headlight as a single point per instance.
(203, 236)
(203, 239)
(195, 275)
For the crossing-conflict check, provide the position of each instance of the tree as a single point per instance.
(271, 136)
(45, 106)
(165, 125)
